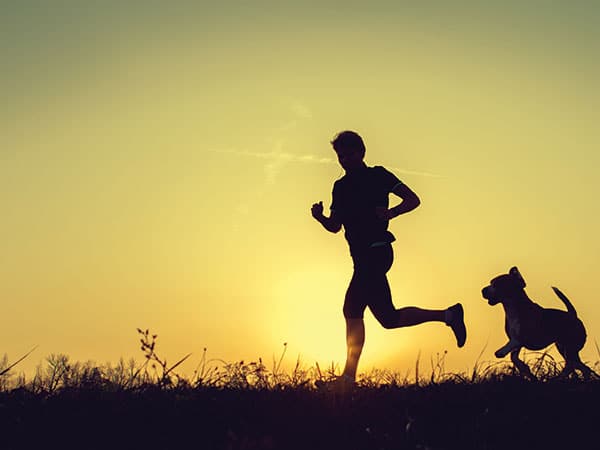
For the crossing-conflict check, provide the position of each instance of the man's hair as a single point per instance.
(349, 140)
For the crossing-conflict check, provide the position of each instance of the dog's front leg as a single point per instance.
(511, 345)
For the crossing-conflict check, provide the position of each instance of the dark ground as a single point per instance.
(507, 414)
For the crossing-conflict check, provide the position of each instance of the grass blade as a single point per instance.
(18, 361)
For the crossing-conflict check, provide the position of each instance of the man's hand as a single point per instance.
(317, 210)
(410, 201)
(331, 223)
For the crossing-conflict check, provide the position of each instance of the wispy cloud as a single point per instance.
(275, 156)
(417, 173)
(301, 110)
(276, 159)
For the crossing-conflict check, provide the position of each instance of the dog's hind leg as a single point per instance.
(573, 362)
(520, 365)
(587, 371)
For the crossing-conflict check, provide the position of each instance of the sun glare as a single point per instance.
(307, 314)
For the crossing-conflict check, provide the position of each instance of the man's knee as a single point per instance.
(351, 312)
(387, 321)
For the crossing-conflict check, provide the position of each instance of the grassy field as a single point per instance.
(249, 406)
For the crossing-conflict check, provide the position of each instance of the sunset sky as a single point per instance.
(158, 162)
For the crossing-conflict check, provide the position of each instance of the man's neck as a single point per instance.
(357, 168)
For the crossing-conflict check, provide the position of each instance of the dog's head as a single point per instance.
(504, 287)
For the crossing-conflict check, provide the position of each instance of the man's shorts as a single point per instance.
(369, 285)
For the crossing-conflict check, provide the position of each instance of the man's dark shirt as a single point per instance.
(355, 197)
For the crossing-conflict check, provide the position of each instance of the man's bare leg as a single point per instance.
(355, 339)
(411, 315)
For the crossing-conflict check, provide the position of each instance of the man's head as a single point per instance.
(350, 149)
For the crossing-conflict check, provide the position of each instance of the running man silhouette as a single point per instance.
(360, 203)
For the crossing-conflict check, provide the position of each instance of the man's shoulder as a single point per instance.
(379, 173)
(378, 169)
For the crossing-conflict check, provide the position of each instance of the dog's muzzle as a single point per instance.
(488, 293)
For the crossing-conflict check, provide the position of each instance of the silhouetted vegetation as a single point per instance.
(247, 405)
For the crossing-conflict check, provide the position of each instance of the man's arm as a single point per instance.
(331, 223)
(410, 201)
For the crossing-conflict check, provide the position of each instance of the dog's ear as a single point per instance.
(514, 272)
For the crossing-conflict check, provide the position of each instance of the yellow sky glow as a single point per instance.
(157, 170)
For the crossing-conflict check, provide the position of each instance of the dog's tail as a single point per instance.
(565, 300)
